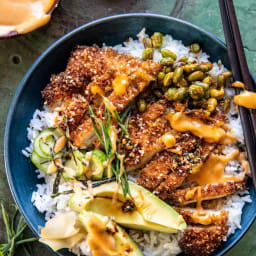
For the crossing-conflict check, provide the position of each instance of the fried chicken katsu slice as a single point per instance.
(184, 167)
(146, 130)
(156, 170)
(72, 80)
(193, 216)
(202, 241)
(209, 191)
(71, 111)
(167, 170)
(126, 71)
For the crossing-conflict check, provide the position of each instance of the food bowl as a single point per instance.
(112, 30)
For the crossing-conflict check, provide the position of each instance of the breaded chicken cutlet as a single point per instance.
(90, 72)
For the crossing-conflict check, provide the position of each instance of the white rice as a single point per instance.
(151, 242)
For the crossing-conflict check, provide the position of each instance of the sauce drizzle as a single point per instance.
(183, 123)
(246, 99)
(212, 171)
(100, 241)
(23, 16)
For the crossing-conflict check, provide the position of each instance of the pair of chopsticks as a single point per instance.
(241, 73)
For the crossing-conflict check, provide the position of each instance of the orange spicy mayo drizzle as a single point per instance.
(100, 241)
(23, 16)
(120, 84)
(168, 140)
(212, 171)
(183, 123)
(246, 99)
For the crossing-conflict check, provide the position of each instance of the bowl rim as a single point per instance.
(20, 89)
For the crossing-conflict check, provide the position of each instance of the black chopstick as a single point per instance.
(239, 73)
(241, 55)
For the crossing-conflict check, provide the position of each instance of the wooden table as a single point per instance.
(18, 54)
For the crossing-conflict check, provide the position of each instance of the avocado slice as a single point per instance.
(106, 234)
(131, 219)
(149, 213)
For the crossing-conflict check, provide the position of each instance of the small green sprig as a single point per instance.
(14, 234)
(102, 131)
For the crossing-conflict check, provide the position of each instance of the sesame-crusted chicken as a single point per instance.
(183, 166)
(216, 117)
(167, 170)
(210, 191)
(90, 73)
(138, 75)
(202, 241)
(194, 216)
(71, 111)
(145, 130)
(61, 86)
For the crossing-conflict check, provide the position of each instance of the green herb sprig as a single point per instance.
(102, 131)
(14, 234)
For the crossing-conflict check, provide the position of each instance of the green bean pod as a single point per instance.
(221, 80)
(182, 82)
(196, 92)
(188, 68)
(157, 40)
(168, 53)
(168, 79)
(205, 66)
(142, 105)
(205, 86)
(181, 93)
(207, 80)
(195, 48)
(168, 61)
(178, 72)
(184, 59)
(160, 76)
(147, 54)
(197, 75)
(147, 42)
(167, 70)
(169, 95)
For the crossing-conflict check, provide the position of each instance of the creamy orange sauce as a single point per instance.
(113, 138)
(212, 171)
(95, 89)
(99, 240)
(183, 123)
(120, 84)
(121, 158)
(246, 99)
(238, 84)
(168, 140)
(60, 144)
(199, 199)
(23, 16)
(202, 217)
(205, 218)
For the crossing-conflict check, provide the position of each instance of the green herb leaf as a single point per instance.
(95, 127)
(7, 223)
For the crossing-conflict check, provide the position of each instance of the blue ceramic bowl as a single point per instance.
(112, 30)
